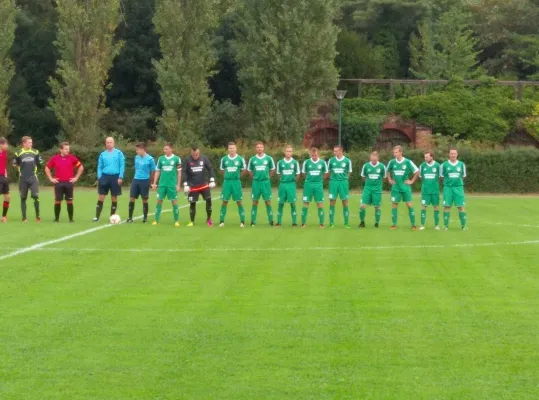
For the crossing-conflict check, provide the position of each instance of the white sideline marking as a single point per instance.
(40, 246)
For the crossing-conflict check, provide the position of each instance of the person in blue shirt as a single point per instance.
(110, 175)
(144, 170)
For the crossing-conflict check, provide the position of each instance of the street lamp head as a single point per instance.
(339, 94)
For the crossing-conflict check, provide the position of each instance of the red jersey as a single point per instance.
(3, 163)
(64, 167)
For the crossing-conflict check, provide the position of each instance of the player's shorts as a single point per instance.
(430, 200)
(232, 188)
(287, 192)
(63, 190)
(140, 187)
(109, 183)
(193, 195)
(167, 192)
(29, 184)
(370, 198)
(313, 190)
(339, 189)
(405, 196)
(4, 185)
(261, 189)
(454, 196)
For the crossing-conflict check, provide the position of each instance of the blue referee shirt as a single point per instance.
(111, 163)
(144, 166)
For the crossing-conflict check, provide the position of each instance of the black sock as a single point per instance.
(5, 208)
(99, 209)
(70, 209)
(192, 211)
(23, 208)
(113, 207)
(57, 208)
(131, 209)
(208, 208)
(36, 206)
(145, 210)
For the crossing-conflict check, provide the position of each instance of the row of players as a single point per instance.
(166, 177)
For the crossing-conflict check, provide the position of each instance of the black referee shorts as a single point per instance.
(4, 185)
(140, 187)
(63, 190)
(109, 183)
(192, 197)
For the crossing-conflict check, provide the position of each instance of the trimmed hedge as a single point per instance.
(511, 171)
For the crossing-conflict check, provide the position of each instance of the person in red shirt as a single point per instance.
(4, 183)
(64, 165)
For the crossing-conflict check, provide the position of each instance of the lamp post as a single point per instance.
(339, 94)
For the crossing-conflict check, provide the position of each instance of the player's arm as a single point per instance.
(48, 167)
(80, 170)
(38, 159)
(121, 160)
(153, 168)
(209, 167)
(298, 172)
(156, 175)
(272, 167)
(350, 169)
(326, 170)
(251, 174)
(414, 176)
(363, 173)
(17, 161)
(441, 174)
(390, 175)
(184, 177)
(243, 169)
(222, 167)
(100, 166)
(179, 168)
(278, 171)
(463, 171)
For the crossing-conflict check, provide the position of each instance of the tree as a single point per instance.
(185, 30)
(357, 58)
(285, 54)
(8, 12)
(85, 42)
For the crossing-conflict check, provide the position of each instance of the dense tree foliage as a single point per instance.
(8, 12)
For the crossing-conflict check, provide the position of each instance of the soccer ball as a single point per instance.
(115, 219)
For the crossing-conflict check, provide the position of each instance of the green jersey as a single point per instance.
(314, 170)
(339, 169)
(374, 175)
(430, 177)
(401, 172)
(453, 174)
(260, 167)
(168, 168)
(288, 170)
(232, 167)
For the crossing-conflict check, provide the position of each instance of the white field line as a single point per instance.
(40, 246)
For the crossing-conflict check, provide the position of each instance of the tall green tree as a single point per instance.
(185, 29)
(8, 12)
(285, 53)
(85, 42)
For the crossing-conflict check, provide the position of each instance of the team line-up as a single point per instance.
(197, 174)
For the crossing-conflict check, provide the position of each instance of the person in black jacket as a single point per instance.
(195, 170)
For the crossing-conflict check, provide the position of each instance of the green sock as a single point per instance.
(223, 214)
(423, 217)
(346, 214)
(294, 213)
(269, 211)
(446, 218)
(436, 217)
(394, 215)
(241, 212)
(280, 214)
(176, 212)
(158, 210)
(304, 212)
(254, 212)
(411, 214)
(321, 216)
(362, 212)
(463, 218)
(377, 215)
(331, 214)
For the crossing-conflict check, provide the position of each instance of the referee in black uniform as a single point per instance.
(195, 170)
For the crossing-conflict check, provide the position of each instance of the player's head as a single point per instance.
(140, 148)
(397, 152)
(314, 153)
(3, 143)
(453, 155)
(232, 149)
(109, 143)
(259, 148)
(374, 157)
(64, 149)
(195, 152)
(337, 151)
(429, 156)
(168, 149)
(288, 150)
(27, 142)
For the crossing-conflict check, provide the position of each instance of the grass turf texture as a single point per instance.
(267, 313)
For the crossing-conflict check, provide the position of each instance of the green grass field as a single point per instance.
(144, 312)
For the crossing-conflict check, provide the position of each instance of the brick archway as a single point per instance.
(321, 133)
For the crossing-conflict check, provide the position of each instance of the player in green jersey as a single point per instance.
(232, 168)
(315, 171)
(401, 174)
(169, 176)
(340, 168)
(429, 173)
(373, 173)
(288, 171)
(261, 168)
(453, 173)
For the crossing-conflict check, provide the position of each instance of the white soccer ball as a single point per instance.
(115, 219)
